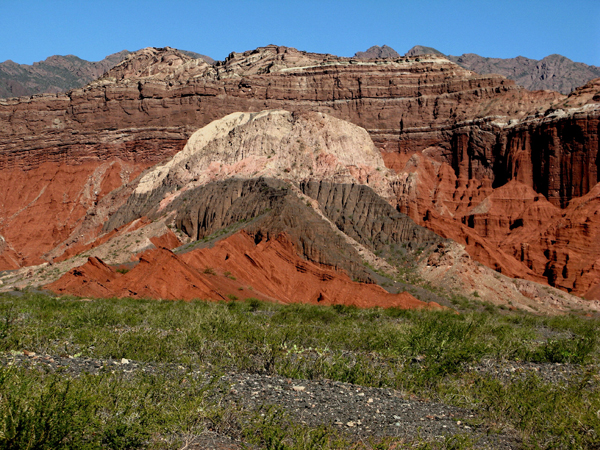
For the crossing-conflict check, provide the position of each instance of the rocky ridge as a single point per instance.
(128, 114)
(271, 212)
(554, 72)
(53, 75)
(476, 132)
(122, 108)
(59, 73)
(274, 143)
(378, 52)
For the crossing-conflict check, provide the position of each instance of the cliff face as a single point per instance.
(318, 230)
(145, 107)
(163, 94)
(294, 205)
(453, 137)
(59, 73)
(306, 175)
(512, 228)
(555, 154)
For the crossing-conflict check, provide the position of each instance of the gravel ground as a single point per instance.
(357, 411)
(550, 373)
(69, 365)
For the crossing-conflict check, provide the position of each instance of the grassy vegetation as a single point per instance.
(50, 411)
(419, 352)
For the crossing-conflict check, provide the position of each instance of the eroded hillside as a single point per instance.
(474, 158)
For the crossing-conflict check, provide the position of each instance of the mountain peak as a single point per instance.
(422, 50)
(57, 73)
(378, 52)
(554, 72)
(158, 63)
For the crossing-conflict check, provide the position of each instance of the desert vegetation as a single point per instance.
(122, 373)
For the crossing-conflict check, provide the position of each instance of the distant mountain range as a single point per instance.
(62, 73)
(554, 72)
(59, 73)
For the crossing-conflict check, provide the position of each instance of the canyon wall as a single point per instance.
(146, 107)
(473, 134)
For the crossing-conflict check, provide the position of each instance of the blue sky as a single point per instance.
(32, 30)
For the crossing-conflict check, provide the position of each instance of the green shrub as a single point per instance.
(575, 350)
(253, 303)
(42, 415)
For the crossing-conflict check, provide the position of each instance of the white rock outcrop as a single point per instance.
(278, 144)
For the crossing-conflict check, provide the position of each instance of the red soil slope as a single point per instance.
(79, 248)
(234, 268)
(41, 207)
(91, 279)
(168, 240)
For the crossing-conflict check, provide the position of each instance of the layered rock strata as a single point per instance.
(143, 106)
(318, 179)
(480, 131)
(216, 185)
(155, 98)
(554, 72)
(164, 93)
(330, 205)
(512, 229)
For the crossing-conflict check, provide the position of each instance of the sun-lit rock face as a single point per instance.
(157, 95)
(275, 144)
(146, 108)
(160, 64)
(452, 136)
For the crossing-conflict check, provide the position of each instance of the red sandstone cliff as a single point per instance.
(325, 192)
(163, 95)
(481, 131)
